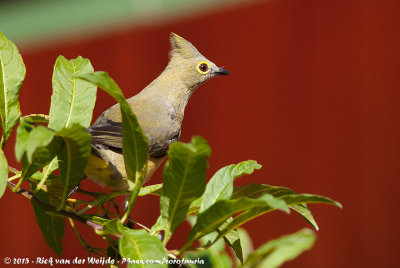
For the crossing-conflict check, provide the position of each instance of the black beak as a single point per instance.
(222, 71)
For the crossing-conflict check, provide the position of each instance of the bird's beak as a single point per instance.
(222, 71)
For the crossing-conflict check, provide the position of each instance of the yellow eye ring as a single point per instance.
(203, 67)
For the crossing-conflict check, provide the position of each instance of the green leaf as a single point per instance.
(309, 198)
(292, 200)
(232, 239)
(23, 131)
(47, 170)
(40, 158)
(142, 246)
(184, 180)
(195, 205)
(303, 210)
(134, 141)
(208, 259)
(220, 186)
(52, 227)
(274, 253)
(38, 146)
(73, 156)
(12, 74)
(209, 239)
(213, 217)
(243, 218)
(158, 226)
(154, 189)
(73, 99)
(36, 118)
(33, 147)
(252, 190)
(3, 173)
(255, 190)
(217, 246)
(191, 219)
(96, 219)
(38, 137)
(245, 242)
(113, 226)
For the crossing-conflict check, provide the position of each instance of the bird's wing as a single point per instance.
(108, 134)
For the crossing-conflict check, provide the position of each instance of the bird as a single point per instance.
(159, 108)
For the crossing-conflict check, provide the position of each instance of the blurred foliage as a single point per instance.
(30, 21)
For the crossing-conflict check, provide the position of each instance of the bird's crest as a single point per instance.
(180, 45)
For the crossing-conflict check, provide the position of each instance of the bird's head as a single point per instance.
(192, 67)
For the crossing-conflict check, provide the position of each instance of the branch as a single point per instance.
(30, 196)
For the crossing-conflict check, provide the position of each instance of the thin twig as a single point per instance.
(141, 225)
(47, 206)
(13, 170)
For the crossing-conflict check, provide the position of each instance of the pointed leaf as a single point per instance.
(154, 189)
(73, 156)
(25, 127)
(113, 226)
(33, 146)
(3, 173)
(303, 210)
(232, 239)
(12, 74)
(243, 218)
(217, 246)
(208, 239)
(220, 186)
(40, 145)
(142, 246)
(245, 242)
(47, 170)
(36, 118)
(134, 141)
(274, 253)
(184, 180)
(213, 217)
(38, 137)
(73, 99)
(40, 158)
(195, 205)
(158, 226)
(52, 227)
(309, 198)
(213, 256)
(255, 190)
(291, 200)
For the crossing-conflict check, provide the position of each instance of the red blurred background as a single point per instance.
(313, 96)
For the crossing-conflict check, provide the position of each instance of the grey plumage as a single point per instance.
(159, 109)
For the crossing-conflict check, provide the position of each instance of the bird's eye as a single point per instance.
(203, 67)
